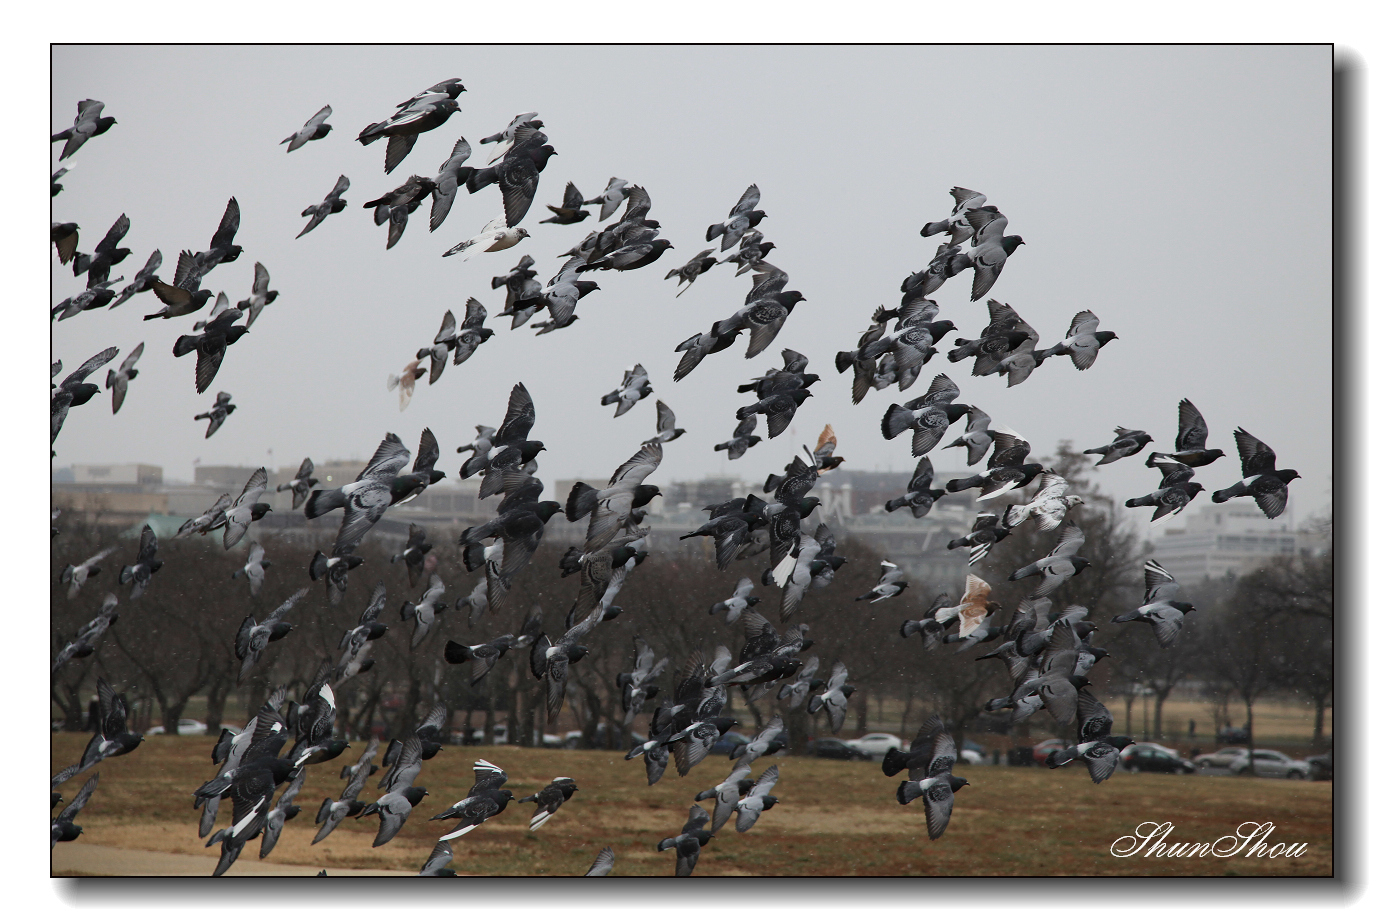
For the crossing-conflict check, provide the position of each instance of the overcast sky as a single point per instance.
(1183, 194)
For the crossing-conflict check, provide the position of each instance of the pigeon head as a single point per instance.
(1286, 476)
(259, 510)
(82, 392)
(790, 298)
(292, 811)
(1194, 488)
(1103, 336)
(546, 510)
(806, 505)
(376, 631)
(1011, 243)
(1183, 606)
(415, 795)
(644, 494)
(281, 769)
(529, 450)
(810, 379)
(956, 783)
(722, 723)
(279, 631)
(576, 654)
(612, 612)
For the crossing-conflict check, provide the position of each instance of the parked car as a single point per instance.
(598, 738)
(835, 748)
(1155, 758)
(1267, 763)
(971, 753)
(1321, 766)
(726, 744)
(186, 727)
(1046, 747)
(875, 744)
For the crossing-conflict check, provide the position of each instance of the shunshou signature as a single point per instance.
(1249, 840)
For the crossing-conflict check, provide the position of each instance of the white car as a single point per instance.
(875, 744)
(1267, 763)
(186, 727)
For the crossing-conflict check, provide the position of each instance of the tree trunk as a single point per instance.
(862, 712)
(216, 704)
(1319, 723)
(171, 713)
(1249, 730)
(1129, 716)
(1158, 699)
(907, 710)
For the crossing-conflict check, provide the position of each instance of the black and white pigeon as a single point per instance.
(1005, 471)
(395, 207)
(253, 570)
(314, 129)
(1093, 739)
(64, 829)
(1047, 507)
(1082, 343)
(504, 140)
(424, 112)
(741, 600)
(742, 217)
(143, 280)
(485, 800)
(118, 381)
(145, 565)
(834, 697)
(74, 390)
(84, 644)
(1159, 610)
(929, 761)
(364, 500)
(987, 531)
(332, 204)
(112, 737)
(616, 191)
(254, 635)
(74, 577)
(1190, 446)
(1059, 565)
(1263, 483)
(88, 123)
(331, 812)
(667, 425)
(688, 845)
(919, 495)
(1174, 493)
(742, 439)
(1127, 443)
(451, 175)
(252, 796)
(301, 483)
(215, 416)
(633, 387)
(482, 656)
(496, 235)
(424, 613)
(571, 211)
(610, 508)
(405, 487)
(956, 223)
(260, 295)
(892, 581)
(547, 800)
(92, 298)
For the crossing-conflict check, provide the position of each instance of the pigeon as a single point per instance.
(766, 309)
(64, 238)
(571, 210)
(610, 508)
(1082, 343)
(1266, 485)
(484, 800)
(221, 249)
(436, 864)
(929, 416)
(522, 291)
(260, 295)
(956, 223)
(143, 280)
(1175, 491)
(118, 382)
(978, 438)
(144, 566)
(985, 533)
(331, 812)
(929, 761)
(504, 140)
(85, 642)
(616, 191)
(512, 449)
(749, 809)
(1127, 442)
(1093, 745)
(919, 496)
(210, 345)
(253, 570)
(517, 530)
(667, 425)
(56, 186)
(742, 218)
(633, 388)
(603, 864)
(796, 692)
(1190, 446)
(635, 687)
(204, 522)
(396, 206)
(251, 793)
(989, 248)
(560, 296)
(699, 264)
(742, 439)
(450, 88)
(74, 577)
(480, 451)
(1159, 610)
(516, 173)
(778, 409)
(892, 581)
(302, 482)
(1006, 469)
(1047, 507)
(254, 635)
(494, 236)
(689, 844)
(424, 613)
(314, 129)
(177, 300)
(404, 766)
(356, 641)
(833, 697)
(422, 113)
(1059, 565)
(739, 602)
(74, 391)
(112, 737)
(222, 408)
(750, 256)
(64, 829)
(394, 807)
(549, 661)
(245, 509)
(549, 799)
(88, 123)
(283, 810)
(365, 499)
(911, 346)
(414, 553)
(405, 381)
(1007, 335)
(332, 204)
(697, 347)
(633, 255)
(406, 487)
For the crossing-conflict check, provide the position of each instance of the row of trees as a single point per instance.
(1248, 638)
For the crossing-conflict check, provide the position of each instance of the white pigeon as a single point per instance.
(494, 236)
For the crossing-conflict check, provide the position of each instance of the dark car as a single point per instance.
(726, 744)
(1157, 759)
(834, 748)
(1047, 747)
(1321, 766)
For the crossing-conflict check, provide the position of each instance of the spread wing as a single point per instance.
(1191, 428)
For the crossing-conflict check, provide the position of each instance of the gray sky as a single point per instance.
(1182, 194)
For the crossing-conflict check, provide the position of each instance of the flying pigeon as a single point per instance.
(64, 829)
(616, 191)
(395, 207)
(485, 800)
(1093, 745)
(742, 439)
(1159, 610)
(85, 642)
(571, 211)
(1059, 565)
(302, 482)
(929, 761)
(1047, 506)
(742, 218)
(143, 280)
(833, 697)
(144, 566)
(688, 845)
(254, 635)
(74, 391)
(314, 129)
(422, 113)
(1175, 491)
(686, 274)
(74, 577)
(1190, 445)
(892, 581)
(494, 236)
(633, 388)
(253, 570)
(1082, 343)
(332, 204)
(548, 800)
(1267, 486)
(1127, 442)
(956, 223)
(88, 123)
(112, 737)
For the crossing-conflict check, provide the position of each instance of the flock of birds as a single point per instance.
(1046, 653)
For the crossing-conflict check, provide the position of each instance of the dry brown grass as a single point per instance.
(835, 818)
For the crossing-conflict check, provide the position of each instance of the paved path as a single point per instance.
(99, 860)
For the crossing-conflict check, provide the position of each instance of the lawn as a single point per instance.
(834, 819)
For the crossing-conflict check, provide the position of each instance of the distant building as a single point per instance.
(1230, 539)
(114, 492)
(117, 475)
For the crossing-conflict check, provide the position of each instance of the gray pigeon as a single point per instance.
(1059, 565)
(1159, 610)
(253, 570)
(313, 129)
(254, 635)
(616, 191)
(742, 217)
(88, 123)
(332, 204)
(118, 381)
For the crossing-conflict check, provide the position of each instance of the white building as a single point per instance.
(1231, 538)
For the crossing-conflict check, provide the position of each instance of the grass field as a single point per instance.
(834, 818)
